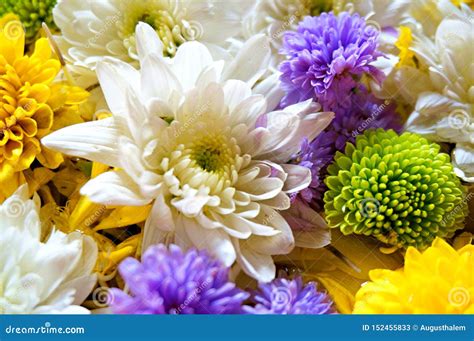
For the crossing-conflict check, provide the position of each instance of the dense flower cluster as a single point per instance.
(327, 55)
(236, 157)
(171, 282)
(397, 188)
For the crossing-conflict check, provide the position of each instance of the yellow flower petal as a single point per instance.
(124, 216)
(437, 281)
(49, 158)
(12, 37)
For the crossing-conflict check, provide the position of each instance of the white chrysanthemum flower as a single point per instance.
(444, 111)
(41, 277)
(91, 30)
(188, 136)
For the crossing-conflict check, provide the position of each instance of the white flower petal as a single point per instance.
(77, 140)
(157, 78)
(215, 241)
(254, 264)
(190, 61)
(299, 178)
(281, 243)
(116, 78)
(160, 220)
(251, 62)
(148, 41)
(309, 228)
(114, 188)
(463, 161)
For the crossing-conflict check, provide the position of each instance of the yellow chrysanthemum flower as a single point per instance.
(32, 104)
(439, 280)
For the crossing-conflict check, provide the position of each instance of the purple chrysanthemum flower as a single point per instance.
(326, 58)
(169, 281)
(284, 296)
(366, 112)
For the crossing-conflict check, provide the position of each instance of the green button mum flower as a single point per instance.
(397, 188)
(32, 13)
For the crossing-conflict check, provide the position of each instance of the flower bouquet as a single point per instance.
(236, 157)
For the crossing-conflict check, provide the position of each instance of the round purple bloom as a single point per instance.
(169, 281)
(284, 296)
(326, 58)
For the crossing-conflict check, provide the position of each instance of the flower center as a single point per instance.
(212, 153)
(167, 19)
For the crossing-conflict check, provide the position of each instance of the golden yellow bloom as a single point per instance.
(32, 104)
(403, 43)
(438, 281)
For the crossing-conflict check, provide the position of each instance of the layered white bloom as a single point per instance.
(444, 111)
(188, 135)
(53, 276)
(91, 29)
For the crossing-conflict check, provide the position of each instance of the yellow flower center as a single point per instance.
(212, 153)
(166, 18)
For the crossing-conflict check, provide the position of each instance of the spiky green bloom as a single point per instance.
(397, 188)
(32, 13)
